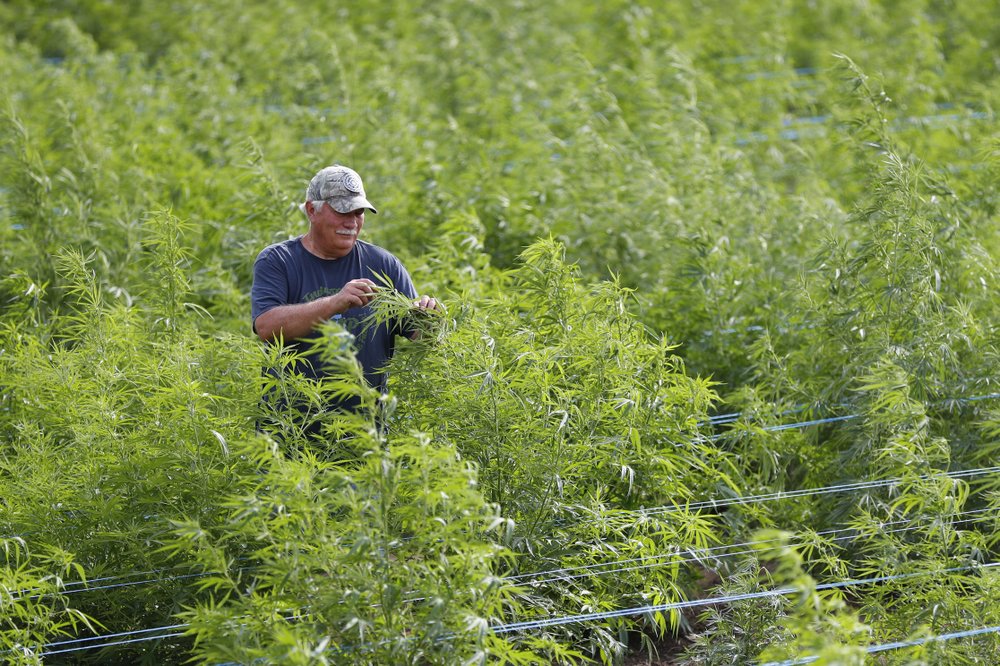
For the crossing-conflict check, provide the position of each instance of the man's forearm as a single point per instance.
(294, 321)
(297, 320)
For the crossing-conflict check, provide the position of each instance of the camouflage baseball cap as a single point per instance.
(341, 187)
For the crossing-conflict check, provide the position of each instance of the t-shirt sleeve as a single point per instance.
(270, 284)
(403, 282)
(388, 267)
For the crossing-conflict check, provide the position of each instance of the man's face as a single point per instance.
(333, 233)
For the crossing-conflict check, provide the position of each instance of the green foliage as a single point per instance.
(822, 626)
(110, 428)
(385, 561)
(576, 418)
(35, 608)
(636, 216)
(559, 394)
(738, 631)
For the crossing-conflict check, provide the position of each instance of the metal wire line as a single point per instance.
(86, 585)
(928, 639)
(679, 605)
(558, 620)
(112, 644)
(815, 491)
(806, 492)
(772, 496)
(872, 649)
(699, 554)
(664, 509)
(81, 586)
(783, 426)
(117, 635)
(885, 647)
(694, 557)
(732, 417)
(712, 549)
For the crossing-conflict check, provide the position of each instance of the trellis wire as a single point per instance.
(680, 605)
(809, 492)
(709, 552)
(694, 553)
(552, 621)
(928, 639)
(885, 647)
(122, 634)
(732, 417)
(83, 586)
(725, 419)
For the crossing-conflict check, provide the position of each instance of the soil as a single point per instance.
(670, 648)
(668, 652)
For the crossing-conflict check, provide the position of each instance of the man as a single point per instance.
(328, 273)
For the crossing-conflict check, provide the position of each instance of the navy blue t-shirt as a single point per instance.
(287, 273)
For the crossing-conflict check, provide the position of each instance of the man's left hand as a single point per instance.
(426, 303)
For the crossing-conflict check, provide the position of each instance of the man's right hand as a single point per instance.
(355, 294)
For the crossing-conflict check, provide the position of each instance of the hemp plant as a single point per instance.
(35, 610)
(576, 418)
(894, 336)
(384, 557)
(110, 427)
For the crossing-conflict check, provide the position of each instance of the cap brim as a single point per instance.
(347, 204)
